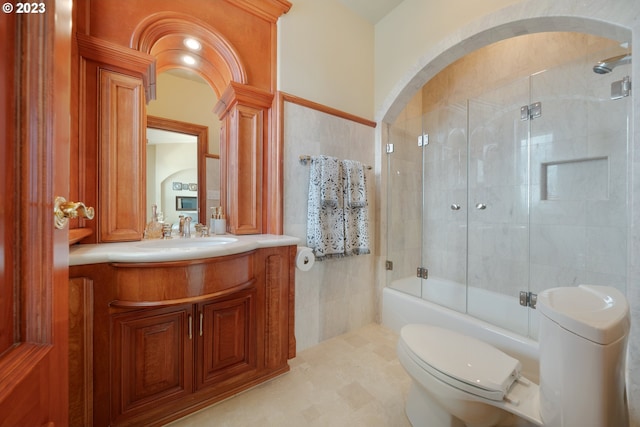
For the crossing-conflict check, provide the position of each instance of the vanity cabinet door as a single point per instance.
(152, 359)
(121, 209)
(109, 158)
(226, 345)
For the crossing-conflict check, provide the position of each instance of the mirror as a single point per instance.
(182, 147)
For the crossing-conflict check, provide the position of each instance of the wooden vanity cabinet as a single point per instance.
(152, 357)
(173, 337)
(226, 349)
(165, 354)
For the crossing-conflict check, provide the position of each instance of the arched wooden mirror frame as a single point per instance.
(162, 35)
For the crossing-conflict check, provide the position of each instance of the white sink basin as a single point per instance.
(176, 249)
(185, 244)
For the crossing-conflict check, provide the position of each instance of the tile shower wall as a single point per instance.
(577, 228)
(579, 173)
(337, 295)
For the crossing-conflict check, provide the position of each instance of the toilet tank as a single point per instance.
(583, 340)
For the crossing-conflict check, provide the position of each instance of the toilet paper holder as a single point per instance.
(304, 258)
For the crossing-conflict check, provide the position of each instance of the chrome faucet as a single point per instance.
(187, 227)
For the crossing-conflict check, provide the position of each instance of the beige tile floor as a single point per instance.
(353, 380)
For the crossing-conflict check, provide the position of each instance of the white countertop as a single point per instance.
(174, 249)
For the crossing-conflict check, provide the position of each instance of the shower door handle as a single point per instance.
(481, 206)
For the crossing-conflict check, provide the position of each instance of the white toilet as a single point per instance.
(460, 381)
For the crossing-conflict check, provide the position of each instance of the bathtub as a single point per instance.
(401, 305)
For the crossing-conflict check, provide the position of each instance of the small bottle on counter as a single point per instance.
(153, 229)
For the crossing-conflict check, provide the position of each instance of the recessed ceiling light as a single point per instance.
(188, 59)
(192, 44)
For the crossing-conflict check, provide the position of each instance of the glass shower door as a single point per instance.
(520, 189)
(498, 201)
(426, 205)
(404, 205)
(444, 223)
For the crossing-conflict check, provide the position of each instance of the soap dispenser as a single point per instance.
(212, 220)
(220, 223)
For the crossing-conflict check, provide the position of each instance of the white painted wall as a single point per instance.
(414, 27)
(330, 55)
(326, 55)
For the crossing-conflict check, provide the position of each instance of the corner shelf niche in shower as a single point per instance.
(576, 179)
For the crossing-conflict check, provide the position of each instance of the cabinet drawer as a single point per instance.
(155, 282)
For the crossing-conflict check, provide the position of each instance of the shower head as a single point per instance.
(607, 65)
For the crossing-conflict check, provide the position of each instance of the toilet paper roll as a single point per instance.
(304, 258)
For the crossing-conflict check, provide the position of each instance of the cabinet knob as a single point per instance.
(63, 210)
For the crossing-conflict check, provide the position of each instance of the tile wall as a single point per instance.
(337, 295)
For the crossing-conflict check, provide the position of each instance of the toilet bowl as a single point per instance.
(460, 381)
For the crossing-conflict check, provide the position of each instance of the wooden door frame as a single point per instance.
(34, 270)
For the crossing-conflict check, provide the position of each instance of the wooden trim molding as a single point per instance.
(81, 297)
(237, 93)
(269, 10)
(179, 301)
(178, 126)
(282, 96)
(118, 57)
(9, 164)
(162, 35)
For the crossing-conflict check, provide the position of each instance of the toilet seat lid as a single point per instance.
(461, 361)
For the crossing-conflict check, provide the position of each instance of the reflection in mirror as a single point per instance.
(182, 135)
(186, 203)
(172, 172)
(213, 182)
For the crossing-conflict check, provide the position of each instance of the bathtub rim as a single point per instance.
(417, 310)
